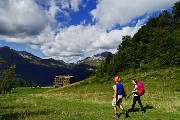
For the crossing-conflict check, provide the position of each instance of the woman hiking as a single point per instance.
(118, 95)
(136, 97)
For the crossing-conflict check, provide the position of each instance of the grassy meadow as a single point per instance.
(90, 100)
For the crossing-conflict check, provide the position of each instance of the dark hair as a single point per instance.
(135, 80)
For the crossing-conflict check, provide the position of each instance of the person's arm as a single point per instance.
(115, 91)
(135, 89)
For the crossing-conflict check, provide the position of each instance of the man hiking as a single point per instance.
(137, 97)
(118, 95)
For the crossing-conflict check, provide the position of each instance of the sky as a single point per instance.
(72, 30)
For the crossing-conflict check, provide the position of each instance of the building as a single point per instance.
(61, 81)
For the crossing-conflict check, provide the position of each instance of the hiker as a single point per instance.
(136, 97)
(118, 95)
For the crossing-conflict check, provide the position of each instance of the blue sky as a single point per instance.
(72, 30)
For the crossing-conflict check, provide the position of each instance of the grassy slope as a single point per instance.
(85, 101)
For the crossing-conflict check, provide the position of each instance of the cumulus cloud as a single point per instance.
(24, 21)
(77, 42)
(109, 13)
(21, 18)
(70, 4)
(45, 36)
(72, 41)
(75, 4)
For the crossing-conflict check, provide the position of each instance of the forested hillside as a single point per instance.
(155, 45)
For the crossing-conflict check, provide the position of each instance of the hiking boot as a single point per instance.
(116, 116)
(127, 115)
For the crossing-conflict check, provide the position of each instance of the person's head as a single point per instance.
(134, 81)
(117, 79)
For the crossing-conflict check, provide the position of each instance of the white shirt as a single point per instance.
(135, 88)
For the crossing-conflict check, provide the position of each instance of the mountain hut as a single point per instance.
(61, 81)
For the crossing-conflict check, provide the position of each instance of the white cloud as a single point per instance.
(75, 4)
(70, 4)
(21, 18)
(25, 18)
(78, 42)
(112, 39)
(109, 13)
(72, 41)
(53, 9)
(45, 36)
(34, 47)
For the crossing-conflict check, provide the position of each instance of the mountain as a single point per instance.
(41, 71)
(103, 54)
(45, 62)
(96, 59)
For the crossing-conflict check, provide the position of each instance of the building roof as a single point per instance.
(65, 76)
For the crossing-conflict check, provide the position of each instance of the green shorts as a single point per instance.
(117, 101)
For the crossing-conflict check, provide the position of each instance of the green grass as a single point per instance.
(30, 90)
(92, 101)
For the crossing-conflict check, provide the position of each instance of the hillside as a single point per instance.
(90, 100)
(41, 71)
(96, 59)
(155, 45)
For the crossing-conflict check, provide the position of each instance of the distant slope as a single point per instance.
(96, 59)
(36, 60)
(41, 71)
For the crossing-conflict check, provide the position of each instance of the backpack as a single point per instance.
(124, 93)
(140, 89)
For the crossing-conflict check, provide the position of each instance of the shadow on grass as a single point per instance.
(126, 115)
(7, 107)
(13, 92)
(148, 107)
(135, 110)
(177, 90)
(17, 115)
(10, 116)
(138, 109)
(11, 107)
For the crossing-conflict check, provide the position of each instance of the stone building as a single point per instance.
(61, 81)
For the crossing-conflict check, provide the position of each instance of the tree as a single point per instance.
(1, 61)
(105, 66)
(7, 77)
(100, 69)
(126, 41)
(156, 44)
(176, 12)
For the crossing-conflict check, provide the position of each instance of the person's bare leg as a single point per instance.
(115, 110)
(121, 107)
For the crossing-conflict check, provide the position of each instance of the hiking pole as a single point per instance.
(129, 96)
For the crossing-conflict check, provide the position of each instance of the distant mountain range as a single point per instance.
(96, 59)
(43, 71)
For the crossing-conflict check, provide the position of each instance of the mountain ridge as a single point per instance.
(42, 71)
